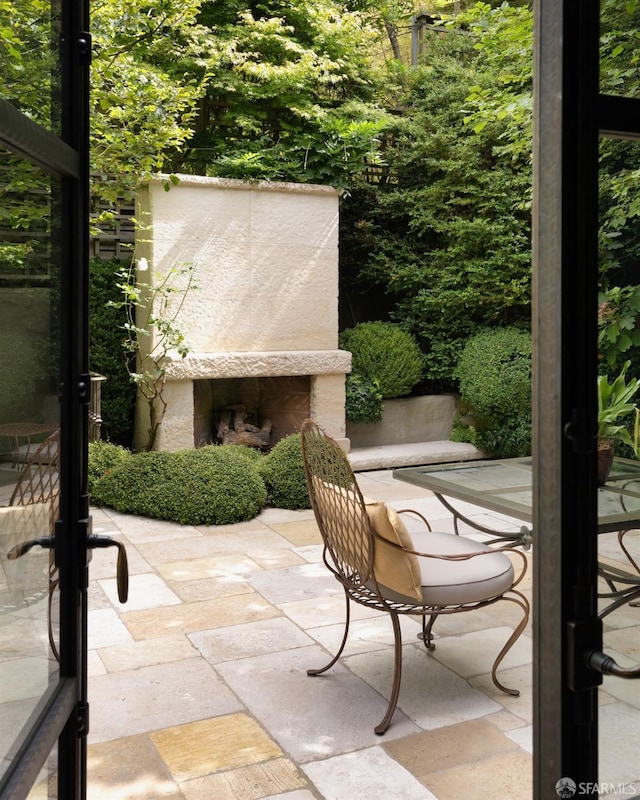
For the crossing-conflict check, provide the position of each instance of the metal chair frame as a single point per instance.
(39, 482)
(349, 550)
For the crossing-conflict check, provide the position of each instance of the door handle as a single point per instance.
(93, 541)
(24, 547)
(601, 662)
(122, 567)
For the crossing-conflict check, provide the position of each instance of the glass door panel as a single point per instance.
(29, 429)
(29, 42)
(619, 342)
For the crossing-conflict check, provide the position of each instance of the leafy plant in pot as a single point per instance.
(615, 404)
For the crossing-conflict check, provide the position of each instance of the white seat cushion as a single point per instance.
(453, 583)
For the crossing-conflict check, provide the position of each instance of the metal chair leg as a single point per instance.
(397, 677)
(313, 672)
(521, 601)
(426, 634)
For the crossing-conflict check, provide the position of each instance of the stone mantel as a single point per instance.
(208, 366)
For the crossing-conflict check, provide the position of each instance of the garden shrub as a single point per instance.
(103, 457)
(106, 354)
(384, 352)
(282, 471)
(494, 371)
(363, 399)
(213, 485)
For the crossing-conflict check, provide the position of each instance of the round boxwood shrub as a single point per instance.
(213, 485)
(103, 457)
(282, 471)
(384, 352)
(494, 371)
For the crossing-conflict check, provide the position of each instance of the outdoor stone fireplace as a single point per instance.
(261, 321)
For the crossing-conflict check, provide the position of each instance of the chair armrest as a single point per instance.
(417, 514)
(509, 551)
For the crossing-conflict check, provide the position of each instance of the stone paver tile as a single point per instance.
(329, 610)
(273, 516)
(207, 546)
(147, 653)
(236, 528)
(150, 698)
(295, 583)
(299, 533)
(191, 617)
(210, 745)
(217, 566)
(310, 717)
(144, 529)
(619, 743)
(520, 678)
(366, 773)
(376, 486)
(278, 559)
(106, 629)
(250, 639)
(449, 747)
(523, 737)
(95, 665)
(473, 653)
(311, 553)
(505, 776)
(504, 721)
(104, 561)
(96, 596)
(145, 591)
(128, 769)
(21, 679)
(625, 640)
(302, 794)
(249, 783)
(210, 588)
(430, 694)
(371, 633)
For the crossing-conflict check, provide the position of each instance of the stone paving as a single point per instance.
(198, 687)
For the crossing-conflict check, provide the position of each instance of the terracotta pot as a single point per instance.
(605, 460)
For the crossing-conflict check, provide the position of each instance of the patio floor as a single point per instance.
(198, 687)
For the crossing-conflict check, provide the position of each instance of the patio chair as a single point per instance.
(380, 565)
(34, 506)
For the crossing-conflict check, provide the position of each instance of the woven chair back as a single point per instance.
(338, 506)
(39, 481)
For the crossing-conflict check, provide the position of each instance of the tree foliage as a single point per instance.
(145, 89)
(447, 234)
(289, 93)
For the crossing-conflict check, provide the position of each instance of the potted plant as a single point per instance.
(615, 403)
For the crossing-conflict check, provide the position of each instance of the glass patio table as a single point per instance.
(505, 486)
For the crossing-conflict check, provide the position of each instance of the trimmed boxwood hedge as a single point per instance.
(213, 485)
(283, 473)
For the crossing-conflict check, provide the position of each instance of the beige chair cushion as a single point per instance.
(453, 583)
(394, 570)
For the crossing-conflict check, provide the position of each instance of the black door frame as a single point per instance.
(63, 717)
(570, 115)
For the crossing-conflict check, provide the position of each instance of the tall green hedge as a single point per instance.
(106, 355)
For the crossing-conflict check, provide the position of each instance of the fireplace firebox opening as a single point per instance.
(262, 410)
